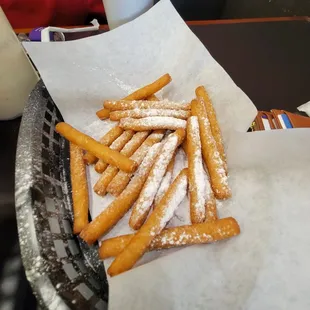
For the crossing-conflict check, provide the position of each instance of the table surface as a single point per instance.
(267, 58)
(269, 61)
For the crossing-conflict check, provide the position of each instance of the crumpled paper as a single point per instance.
(305, 108)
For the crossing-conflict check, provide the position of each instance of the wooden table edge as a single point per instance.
(207, 22)
(248, 20)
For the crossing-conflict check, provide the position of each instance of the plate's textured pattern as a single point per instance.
(64, 272)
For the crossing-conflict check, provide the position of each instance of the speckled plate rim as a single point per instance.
(38, 269)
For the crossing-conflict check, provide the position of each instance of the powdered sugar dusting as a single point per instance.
(139, 113)
(122, 178)
(144, 104)
(208, 189)
(165, 183)
(220, 170)
(150, 188)
(184, 238)
(134, 142)
(197, 179)
(142, 150)
(140, 153)
(151, 154)
(119, 142)
(156, 136)
(215, 128)
(143, 169)
(117, 145)
(122, 85)
(180, 162)
(153, 122)
(174, 201)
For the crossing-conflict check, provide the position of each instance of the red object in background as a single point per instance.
(35, 13)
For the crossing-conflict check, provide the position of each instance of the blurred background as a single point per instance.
(15, 292)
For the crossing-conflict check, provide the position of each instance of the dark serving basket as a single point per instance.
(63, 271)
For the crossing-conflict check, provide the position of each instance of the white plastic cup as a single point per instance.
(17, 76)
(120, 12)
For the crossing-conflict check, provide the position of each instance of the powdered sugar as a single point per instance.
(157, 136)
(215, 128)
(151, 154)
(122, 178)
(184, 238)
(180, 162)
(176, 199)
(208, 189)
(139, 113)
(219, 164)
(142, 150)
(121, 140)
(165, 183)
(144, 104)
(150, 188)
(220, 170)
(117, 145)
(134, 143)
(107, 175)
(153, 122)
(129, 89)
(143, 169)
(196, 174)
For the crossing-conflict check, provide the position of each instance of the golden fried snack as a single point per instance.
(118, 208)
(211, 209)
(210, 204)
(196, 178)
(117, 145)
(165, 183)
(211, 156)
(156, 222)
(152, 98)
(202, 233)
(79, 189)
(107, 140)
(122, 178)
(147, 195)
(99, 150)
(150, 89)
(140, 113)
(151, 123)
(203, 96)
(107, 176)
(122, 105)
(103, 114)
(185, 146)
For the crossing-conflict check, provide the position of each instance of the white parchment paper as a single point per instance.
(263, 268)
(81, 74)
(267, 265)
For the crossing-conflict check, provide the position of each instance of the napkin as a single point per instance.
(305, 108)
(268, 174)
